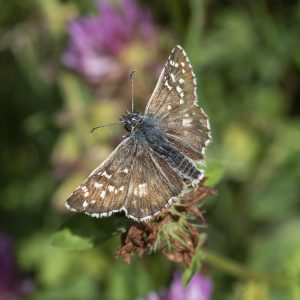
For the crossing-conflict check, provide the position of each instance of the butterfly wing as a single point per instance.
(105, 190)
(153, 185)
(132, 180)
(174, 101)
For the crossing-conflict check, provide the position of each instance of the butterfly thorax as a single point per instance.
(131, 120)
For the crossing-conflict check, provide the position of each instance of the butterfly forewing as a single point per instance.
(174, 100)
(105, 190)
(176, 81)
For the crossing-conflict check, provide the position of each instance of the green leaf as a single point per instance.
(65, 239)
(195, 263)
(81, 232)
(214, 173)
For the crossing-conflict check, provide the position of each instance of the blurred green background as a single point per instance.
(246, 55)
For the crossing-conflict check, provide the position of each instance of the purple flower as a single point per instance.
(12, 284)
(97, 42)
(199, 288)
(7, 265)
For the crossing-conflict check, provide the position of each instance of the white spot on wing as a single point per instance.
(111, 188)
(102, 195)
(181, 101)
(167, 85)
(207, 142)
(179, 89)
(141, 190)
(86, 194)
(70, 208)
(85, 204)
(207, 124)
(173, 77)
(169, 107)
(125, 171)
(95, 215)
(98, 185)
(106, 175)
(186, 122)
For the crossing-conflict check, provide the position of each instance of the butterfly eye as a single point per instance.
(128, 127)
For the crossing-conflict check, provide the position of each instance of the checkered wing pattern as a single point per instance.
(132, 180)
(174, 101)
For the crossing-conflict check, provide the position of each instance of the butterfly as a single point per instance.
(153, 165)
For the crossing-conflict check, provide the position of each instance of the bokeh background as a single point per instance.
(64, 68)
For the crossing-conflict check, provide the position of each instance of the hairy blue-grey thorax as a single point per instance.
(139, 125)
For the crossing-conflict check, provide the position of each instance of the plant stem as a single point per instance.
(238, 270)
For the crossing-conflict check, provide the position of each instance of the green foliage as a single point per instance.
(81, 232)
(214, 172)
(64, 239)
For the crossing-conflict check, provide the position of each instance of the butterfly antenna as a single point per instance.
(132, 90)
(102, 126)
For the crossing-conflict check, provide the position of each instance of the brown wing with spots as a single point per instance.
(105, 190)
(153, 186)
(131, 180)
(174, 100)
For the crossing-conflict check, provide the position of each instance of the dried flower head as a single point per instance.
(175, 232)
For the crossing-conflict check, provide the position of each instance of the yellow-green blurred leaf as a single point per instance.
(214, 172)
(66, 240)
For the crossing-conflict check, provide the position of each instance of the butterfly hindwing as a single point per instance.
(152, 185)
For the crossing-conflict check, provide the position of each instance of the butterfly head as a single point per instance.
(131, 120)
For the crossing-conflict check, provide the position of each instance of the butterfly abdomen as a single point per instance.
(176, 160)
